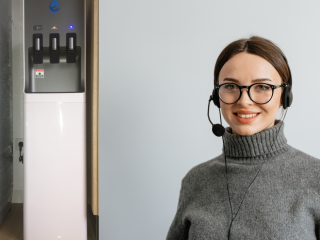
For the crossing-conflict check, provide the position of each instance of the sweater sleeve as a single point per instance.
(179, 227)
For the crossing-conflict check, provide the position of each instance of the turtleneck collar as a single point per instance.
(256, 145)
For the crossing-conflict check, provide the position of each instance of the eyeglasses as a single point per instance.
(260, 93)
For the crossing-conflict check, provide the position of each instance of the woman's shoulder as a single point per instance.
(303, 157)
(303, 164)
(200, 171)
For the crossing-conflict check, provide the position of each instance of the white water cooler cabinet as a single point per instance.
(54, 120)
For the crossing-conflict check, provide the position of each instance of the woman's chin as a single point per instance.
(244, 130)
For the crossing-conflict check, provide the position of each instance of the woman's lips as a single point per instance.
(245, 120)
(245, 112)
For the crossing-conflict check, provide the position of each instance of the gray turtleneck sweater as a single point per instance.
(282, 203)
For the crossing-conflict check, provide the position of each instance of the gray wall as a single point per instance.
(6, 123)
(156, 75)
(17, 87)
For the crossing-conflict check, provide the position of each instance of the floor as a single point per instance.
(12, 227)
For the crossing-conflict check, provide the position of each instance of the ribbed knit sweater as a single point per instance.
(283, 202)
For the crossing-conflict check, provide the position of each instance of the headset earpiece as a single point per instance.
(215, 97)
(287, 97)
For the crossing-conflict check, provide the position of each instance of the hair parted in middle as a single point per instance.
(258, 46)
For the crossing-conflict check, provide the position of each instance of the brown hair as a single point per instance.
(258, 46)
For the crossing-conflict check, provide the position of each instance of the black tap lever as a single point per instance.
(20, 150)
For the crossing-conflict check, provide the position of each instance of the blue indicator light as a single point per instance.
(71, 26)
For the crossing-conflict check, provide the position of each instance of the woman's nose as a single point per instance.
(245, 99)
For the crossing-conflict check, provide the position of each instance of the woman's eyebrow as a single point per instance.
(254, 80)
(231, 79)
(261, 80)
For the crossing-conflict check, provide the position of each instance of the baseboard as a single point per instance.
(5, 211)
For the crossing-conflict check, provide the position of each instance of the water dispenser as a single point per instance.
(54, 120)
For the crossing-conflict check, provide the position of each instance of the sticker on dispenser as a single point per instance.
(39, 73)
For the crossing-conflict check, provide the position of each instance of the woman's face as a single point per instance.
(242, 69)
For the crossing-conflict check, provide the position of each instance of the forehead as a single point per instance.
(246, 67)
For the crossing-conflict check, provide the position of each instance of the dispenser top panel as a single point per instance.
(54, 16)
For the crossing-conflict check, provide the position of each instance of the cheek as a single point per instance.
(226, 110)
(274, 104)
(269, 114)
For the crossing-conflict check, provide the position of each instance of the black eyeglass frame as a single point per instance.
(217, 87)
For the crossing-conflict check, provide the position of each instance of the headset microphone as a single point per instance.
(217, 129)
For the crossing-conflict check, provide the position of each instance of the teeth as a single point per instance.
(247, 115)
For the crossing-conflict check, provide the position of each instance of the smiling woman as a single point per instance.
(260, 187)
(244, 63)
(260, 98)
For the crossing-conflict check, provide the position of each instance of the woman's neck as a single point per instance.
(259, 145)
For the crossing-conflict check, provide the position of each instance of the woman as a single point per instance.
(259, 187)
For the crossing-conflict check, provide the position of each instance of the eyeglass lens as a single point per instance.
(259, 93)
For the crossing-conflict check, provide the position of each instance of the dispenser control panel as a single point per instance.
(54, 46)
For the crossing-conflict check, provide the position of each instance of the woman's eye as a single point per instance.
(262, 87)
(230, 86)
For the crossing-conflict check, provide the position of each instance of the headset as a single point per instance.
(219, 130)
